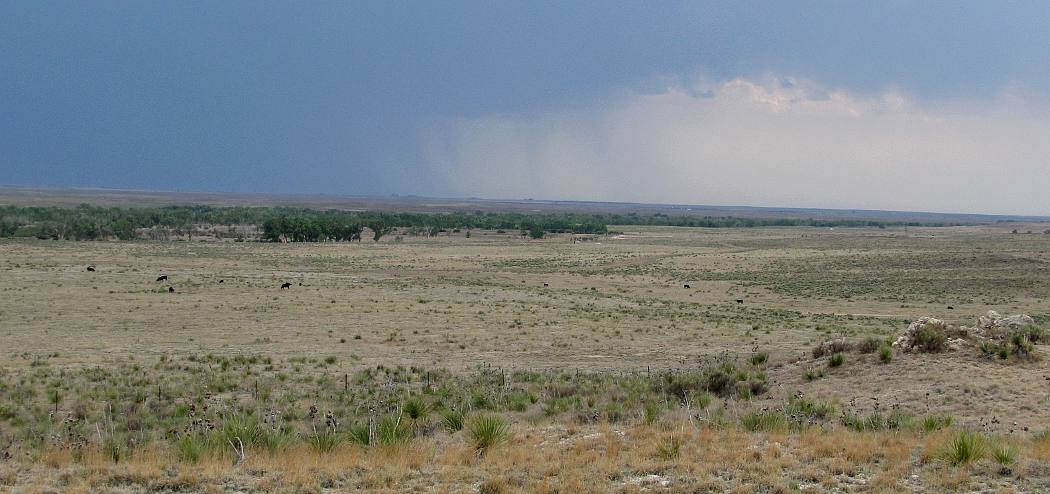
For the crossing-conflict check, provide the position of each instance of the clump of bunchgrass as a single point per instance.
(324, 440)
(964, 449)
(486, 431)
(931, 423)
(1005, 455)
(885, 353)
(452, 420)
(669, 447)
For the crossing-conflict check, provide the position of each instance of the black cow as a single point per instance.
(162, 277)
(739, 301)
(171, 289)
(545, 285)
(951, 308)
(685, 286)
(91, 269)
(220, 281)
(285, 285)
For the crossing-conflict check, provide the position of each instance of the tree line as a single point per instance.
(87, 222)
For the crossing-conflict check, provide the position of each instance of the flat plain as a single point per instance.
(574, 327)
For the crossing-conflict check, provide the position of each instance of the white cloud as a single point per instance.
(772, 142)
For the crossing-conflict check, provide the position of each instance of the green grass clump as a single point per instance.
(487, 431)
(885, 353)
(415, 409)
(324, 440)
(837, 360)
(359, 434)
(931, 423)
(813, 374)
(965, 448)
(802, 408)
(669, 447)
(652, 413)
(1005, 455)
(392, 430)
(190, 448)
(452, 420)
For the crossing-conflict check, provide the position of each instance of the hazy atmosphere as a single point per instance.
(939, 106)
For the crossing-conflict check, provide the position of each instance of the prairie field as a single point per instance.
(653, 359)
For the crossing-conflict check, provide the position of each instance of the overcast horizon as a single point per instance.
(896, 105)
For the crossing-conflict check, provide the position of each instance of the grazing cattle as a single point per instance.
(285, 285)
(220, 281)
(739, 301)
(545, 285)
(171, 289)
(685, 286)
(91, 269)
(300, 283)
(162, 277)
(951, 308)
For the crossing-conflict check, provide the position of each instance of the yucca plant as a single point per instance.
(964, 449)
(415, 409)
(190, 448)
(1006, 456)
(360, 434)
(487, 431)
(324, 440)
(932, 423)
(392, 430)
(453, 420)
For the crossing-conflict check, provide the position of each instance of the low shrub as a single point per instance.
(885, 353)
(869, 345)
(929, 340)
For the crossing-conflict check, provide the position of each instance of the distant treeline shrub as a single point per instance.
(86, 222)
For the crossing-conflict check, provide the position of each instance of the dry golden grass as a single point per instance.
(598, 458)
(612, 307)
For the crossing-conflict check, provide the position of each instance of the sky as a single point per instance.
(903, 105)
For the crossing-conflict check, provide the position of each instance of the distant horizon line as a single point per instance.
(326, 195)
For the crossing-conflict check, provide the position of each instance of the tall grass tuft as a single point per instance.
(669, 447)
(392, 431)
(487, 431)
(453, 420)
(324, 440)
(964, 449)
(1006, 456)
(763, 421)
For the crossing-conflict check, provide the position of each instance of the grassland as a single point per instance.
(499, 364)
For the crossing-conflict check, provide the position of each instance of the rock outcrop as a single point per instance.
(944, 336)
(991, 326)
(994, 326)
